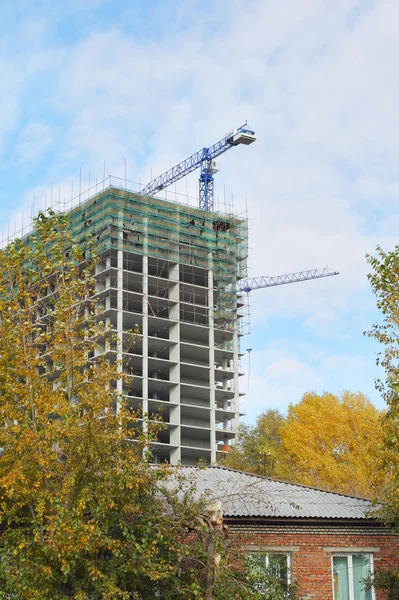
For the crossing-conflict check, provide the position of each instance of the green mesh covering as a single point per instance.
(169, 231)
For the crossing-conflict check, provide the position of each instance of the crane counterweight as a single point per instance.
(242, 137)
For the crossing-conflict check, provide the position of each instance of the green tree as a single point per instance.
(384, 281)
(259, 449)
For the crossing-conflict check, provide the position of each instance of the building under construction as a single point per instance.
(177, 276)
(170, 271)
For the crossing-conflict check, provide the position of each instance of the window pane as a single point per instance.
(341, 578)
(257, 560)
(268, 573)
(257, 571)
(278, 566)
(361, 570)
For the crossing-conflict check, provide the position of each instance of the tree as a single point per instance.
(324, 441)
(229, 572)
(332, 442)
(260, 449)
(384, 282)
(83, 513)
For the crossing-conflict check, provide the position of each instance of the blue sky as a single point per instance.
(88, 81)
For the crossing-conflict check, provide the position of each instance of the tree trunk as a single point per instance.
(215, 532)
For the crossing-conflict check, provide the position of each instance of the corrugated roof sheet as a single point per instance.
(247, 495)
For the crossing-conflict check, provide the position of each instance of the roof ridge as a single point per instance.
(302, 485)
(273, 498)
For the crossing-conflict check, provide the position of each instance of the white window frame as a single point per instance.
(349, 556)
(267, 553)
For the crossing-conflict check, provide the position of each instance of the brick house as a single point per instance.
(324, 540)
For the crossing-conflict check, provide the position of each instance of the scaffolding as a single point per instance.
(171, 232)
(169, 272)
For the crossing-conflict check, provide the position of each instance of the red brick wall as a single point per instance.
(310, 544)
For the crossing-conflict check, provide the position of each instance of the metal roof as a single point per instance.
(246, 495)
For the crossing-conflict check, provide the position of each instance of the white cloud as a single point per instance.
(60, 196)
(280, 374)
(321, 97)
(9, 98)
(319, 83)
(35, 140)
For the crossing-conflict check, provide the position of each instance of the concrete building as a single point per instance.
(169, 271)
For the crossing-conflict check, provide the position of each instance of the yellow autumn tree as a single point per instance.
(82, 514)
(333, 442)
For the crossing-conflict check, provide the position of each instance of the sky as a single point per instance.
(94, 86)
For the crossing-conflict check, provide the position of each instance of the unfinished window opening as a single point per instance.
(158, 268)
(221, 226)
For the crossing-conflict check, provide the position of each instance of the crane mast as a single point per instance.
(204, 159)
(247, 285)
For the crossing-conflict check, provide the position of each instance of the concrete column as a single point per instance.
(174, 354)
(145, 319)
(145, 334)
(236, 379)
(107, 303)
(212, 398)
(119, 317)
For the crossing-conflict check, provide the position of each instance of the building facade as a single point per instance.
(329, 558)
(168, 272)
(327, 542)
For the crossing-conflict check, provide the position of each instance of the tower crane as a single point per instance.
(256, 283)
(204, 159)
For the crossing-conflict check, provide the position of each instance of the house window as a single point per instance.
(269, 569)
(349, 572)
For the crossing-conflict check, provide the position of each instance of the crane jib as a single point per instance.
(247, 285)
(202, 159)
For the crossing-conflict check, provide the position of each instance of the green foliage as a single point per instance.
(387, 581)
(384, 281)
(243, 578)
(260, 449)
(266, 583)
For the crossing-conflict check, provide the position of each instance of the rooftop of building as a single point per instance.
(247, 495)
